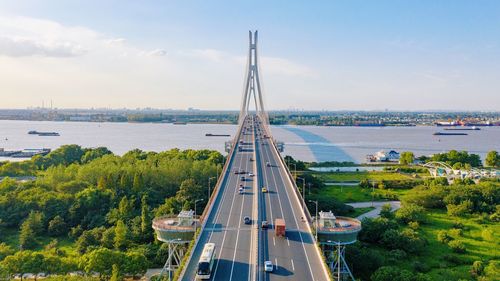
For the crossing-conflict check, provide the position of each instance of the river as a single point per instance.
(308, 143)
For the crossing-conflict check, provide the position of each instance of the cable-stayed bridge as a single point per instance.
(256, 184)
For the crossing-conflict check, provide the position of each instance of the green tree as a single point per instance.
(406, 158)
(411, 212)
(477, 269)
(145, 218)
(121, 232)
(492, 159)
(136, 263)
(95, 153)
(86, 240)
(116, 273)
(24, 262)
(108, 238)
(386, 211)
(5, 250)
(457, 246)
(27, 236)
(190, 191)
(101, 260)
(392, 273)
(57, 226)
(137, 184)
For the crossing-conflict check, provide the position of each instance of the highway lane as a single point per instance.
(225, 227)
(294, 256)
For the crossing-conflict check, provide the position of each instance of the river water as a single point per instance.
(308, 143)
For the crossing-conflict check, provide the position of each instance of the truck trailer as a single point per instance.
(279, 227)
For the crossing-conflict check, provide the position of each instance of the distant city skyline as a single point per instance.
(333, 55)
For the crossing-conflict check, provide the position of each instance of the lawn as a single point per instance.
(350, 194)
(477, 247)
(359, 176)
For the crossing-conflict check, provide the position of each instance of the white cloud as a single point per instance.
(116, 41)
(157, 53)
(20, 47)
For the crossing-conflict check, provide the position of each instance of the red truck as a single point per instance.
(279, 227)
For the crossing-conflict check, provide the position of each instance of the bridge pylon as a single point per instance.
(253, 88)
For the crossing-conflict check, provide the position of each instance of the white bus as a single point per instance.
(206, 262)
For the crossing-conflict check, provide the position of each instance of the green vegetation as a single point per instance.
(462, 158)
(89, 210)
(442, 232)
(359, 176)
(406, 158)
(492, 159)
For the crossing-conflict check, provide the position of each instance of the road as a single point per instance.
(295, 256)
(236, 252)
(242, 249)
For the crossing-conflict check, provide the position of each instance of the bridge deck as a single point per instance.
(294, 256)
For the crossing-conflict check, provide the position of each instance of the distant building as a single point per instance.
(79, 118)
(383, 156)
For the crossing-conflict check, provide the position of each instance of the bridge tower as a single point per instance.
(177, 232)
(334, 233)
(253, 88)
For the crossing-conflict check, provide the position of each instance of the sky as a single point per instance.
(315, 55)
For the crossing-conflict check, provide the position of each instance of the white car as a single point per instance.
(268, 266)
(251, 174)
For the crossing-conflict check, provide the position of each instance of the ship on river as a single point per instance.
(44, 134)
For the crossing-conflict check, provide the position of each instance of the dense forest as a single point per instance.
(90, 210)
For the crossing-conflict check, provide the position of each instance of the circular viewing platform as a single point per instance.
(337, 230)
(180, 228)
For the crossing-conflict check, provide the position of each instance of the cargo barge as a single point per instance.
(449, 134)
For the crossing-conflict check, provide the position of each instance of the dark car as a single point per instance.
(247, 220)
(265, 225)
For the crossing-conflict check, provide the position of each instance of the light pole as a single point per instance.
(303, 192)
(209, 179)
(373, 190)
(294, 169)
(309, 186)
(195, 222)
(316, 219)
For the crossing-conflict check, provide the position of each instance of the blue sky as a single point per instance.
(331, 55)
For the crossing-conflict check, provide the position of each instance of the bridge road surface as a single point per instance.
(225, 227)
(294, 257)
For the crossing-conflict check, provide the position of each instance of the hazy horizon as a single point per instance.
(330, 56)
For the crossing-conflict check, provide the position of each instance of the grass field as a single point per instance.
(477, 247)
(359, 176)
(350, 194)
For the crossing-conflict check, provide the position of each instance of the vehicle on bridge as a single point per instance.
(247, 220)
(279, 227)
(268, 266)
(264, 190)
(268, 164)
(240, 190)
(265, 225)
(206, 262)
